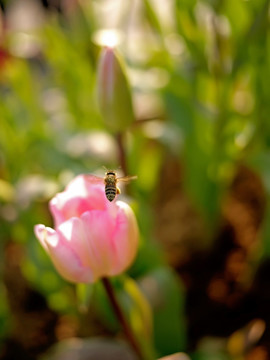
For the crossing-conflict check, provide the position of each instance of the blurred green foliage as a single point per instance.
(199, 74)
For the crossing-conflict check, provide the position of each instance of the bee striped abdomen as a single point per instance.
(110, 192)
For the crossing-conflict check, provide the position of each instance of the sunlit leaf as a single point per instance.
(166, 296)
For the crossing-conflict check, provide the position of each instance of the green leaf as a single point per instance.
(138, 308)
(84, 294)
(134, 306)
(166, 296)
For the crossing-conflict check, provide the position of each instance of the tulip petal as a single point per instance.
(64, 258)
(85, 187)
(80, 196)
(92, 237)
(73, 232)
(125, 237)
(40, 231)
(99, 227)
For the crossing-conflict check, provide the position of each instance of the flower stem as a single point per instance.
(118, 312)
(121, 150)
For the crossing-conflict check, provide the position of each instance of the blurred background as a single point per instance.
(199, 75)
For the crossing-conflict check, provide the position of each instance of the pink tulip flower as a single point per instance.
(93, 238)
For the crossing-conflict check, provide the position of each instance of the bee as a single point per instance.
(110, 181)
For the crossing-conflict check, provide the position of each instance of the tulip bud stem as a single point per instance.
(119, 314)
(122, 155)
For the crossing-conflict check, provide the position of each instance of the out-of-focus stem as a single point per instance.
(120, 316)
(121, 150)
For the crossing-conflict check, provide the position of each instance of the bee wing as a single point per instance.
(127, 178)
(94, 179)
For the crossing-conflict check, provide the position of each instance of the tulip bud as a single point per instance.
(113, 90)
(93, 238)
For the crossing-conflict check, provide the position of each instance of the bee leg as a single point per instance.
(118, 191)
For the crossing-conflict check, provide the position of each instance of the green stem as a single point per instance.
(121, 150)
(119, 314)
